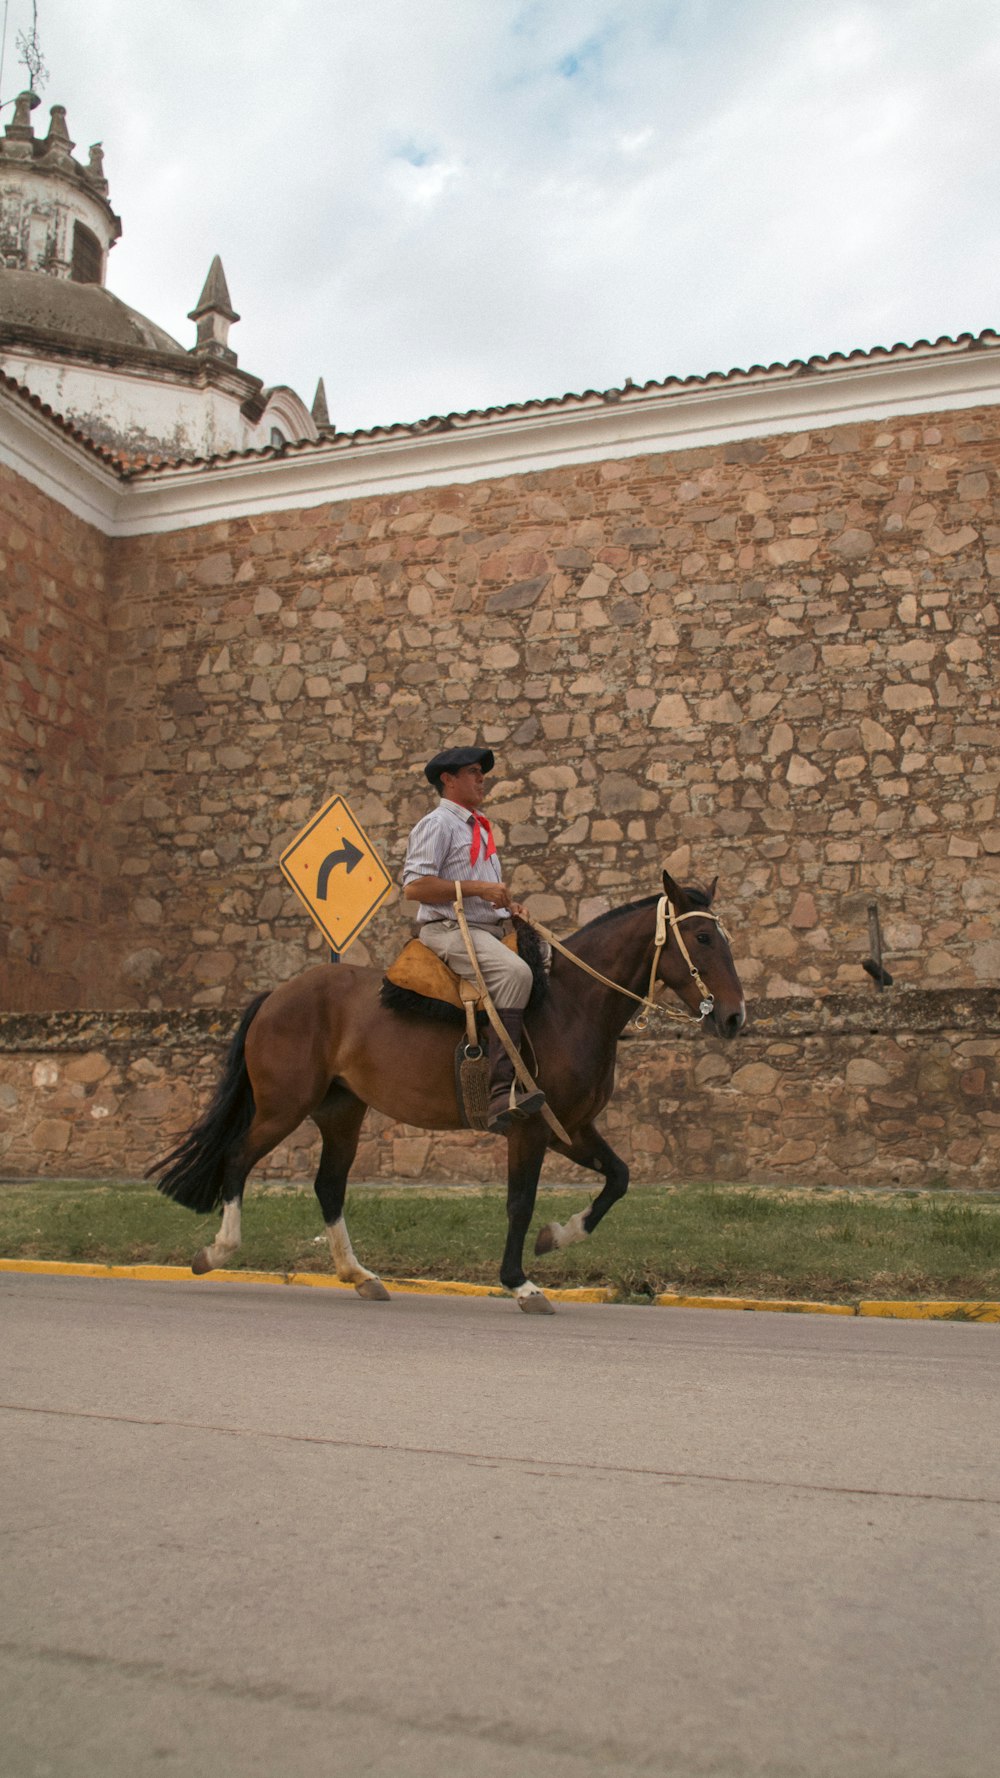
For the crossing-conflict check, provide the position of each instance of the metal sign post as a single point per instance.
(336, 872)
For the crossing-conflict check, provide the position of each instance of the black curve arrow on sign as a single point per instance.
(348, 855)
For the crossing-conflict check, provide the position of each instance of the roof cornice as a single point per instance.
(659, 418)
(57, 458)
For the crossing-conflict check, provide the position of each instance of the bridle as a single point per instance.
(667, 915)
(667, 920)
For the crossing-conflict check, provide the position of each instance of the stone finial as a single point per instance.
(57, 142)
(213, 314)
(319, 410)
(95, 166)
(20, 127)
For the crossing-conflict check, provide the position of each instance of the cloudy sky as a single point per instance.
(449, 204)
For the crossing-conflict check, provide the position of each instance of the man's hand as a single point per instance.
(435, 891)
(497, 894)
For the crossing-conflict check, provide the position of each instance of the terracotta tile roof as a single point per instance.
(945, 346)
(132, 467)
(711, 379)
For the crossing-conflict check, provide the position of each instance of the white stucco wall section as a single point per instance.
(57, 464)
(923, 381)
(146, 411)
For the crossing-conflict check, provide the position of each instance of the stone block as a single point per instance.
(671, 712)
(802, 773)
(786, 551)
(89, 1068)
(546, 908)
(907, 697)
(409, 1155)
(862, 1072)
(722, 709)
(51, 1135)
(942, 543)
(520, 596)
(853, 545)
(756, 1080)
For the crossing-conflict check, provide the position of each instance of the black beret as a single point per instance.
(454, 758)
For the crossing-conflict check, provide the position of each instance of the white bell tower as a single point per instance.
(55, 216)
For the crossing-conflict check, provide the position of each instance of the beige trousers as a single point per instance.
(506, 975)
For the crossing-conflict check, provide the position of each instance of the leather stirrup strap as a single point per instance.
(520, 1070)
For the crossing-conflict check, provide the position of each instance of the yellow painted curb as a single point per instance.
(314, 1280)
(776, 1305)
(885, 1310)
(905, 1311)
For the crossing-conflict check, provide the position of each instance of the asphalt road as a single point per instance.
(263, 1532)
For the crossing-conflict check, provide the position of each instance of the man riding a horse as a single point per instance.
(454, 844)
(327, 1046)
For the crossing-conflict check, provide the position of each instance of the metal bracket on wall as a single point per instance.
(874, 965)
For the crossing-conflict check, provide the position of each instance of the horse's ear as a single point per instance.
(713, 885)
(672, 890)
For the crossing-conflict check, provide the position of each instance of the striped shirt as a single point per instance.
(440, 846)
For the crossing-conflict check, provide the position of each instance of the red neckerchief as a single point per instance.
(481, 826)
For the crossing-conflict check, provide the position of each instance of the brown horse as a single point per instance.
(324, 1046)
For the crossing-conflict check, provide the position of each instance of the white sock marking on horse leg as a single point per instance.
(528, 1289)
(567, 1234)
(227, 1240)
(345, 1262)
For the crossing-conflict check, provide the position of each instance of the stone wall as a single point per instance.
(54, 641)
(774, 661)
(864, 1090)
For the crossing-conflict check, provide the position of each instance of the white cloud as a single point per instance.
(472, 202)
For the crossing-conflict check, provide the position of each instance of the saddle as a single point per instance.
(418, 971)
(420, 983)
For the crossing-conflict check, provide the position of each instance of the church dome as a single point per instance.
(38, 309)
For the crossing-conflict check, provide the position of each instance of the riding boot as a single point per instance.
(509, 1100)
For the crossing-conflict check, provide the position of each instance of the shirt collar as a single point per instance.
(466, 816)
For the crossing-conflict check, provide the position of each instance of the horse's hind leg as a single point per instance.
(339, 1121)
(262, 1136)
(589, 1150)
(220, 1251)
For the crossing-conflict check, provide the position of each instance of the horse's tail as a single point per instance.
(192, 1173)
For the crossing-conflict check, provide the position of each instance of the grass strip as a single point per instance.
(694, 1239)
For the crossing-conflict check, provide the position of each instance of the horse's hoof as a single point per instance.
(548, 1238)
(535, 1302)
(373, 1291)
(201, 1263)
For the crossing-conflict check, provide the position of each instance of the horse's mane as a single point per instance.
(696, 895)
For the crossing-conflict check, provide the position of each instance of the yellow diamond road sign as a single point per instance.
(334, 868)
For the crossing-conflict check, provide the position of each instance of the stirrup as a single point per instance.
(520, 1105)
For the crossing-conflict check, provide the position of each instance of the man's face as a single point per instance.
(467, 786)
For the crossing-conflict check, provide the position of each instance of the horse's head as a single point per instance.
(696, 961)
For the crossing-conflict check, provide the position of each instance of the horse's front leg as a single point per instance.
(526, 1143)
(339, 1120)
(589, 1150)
